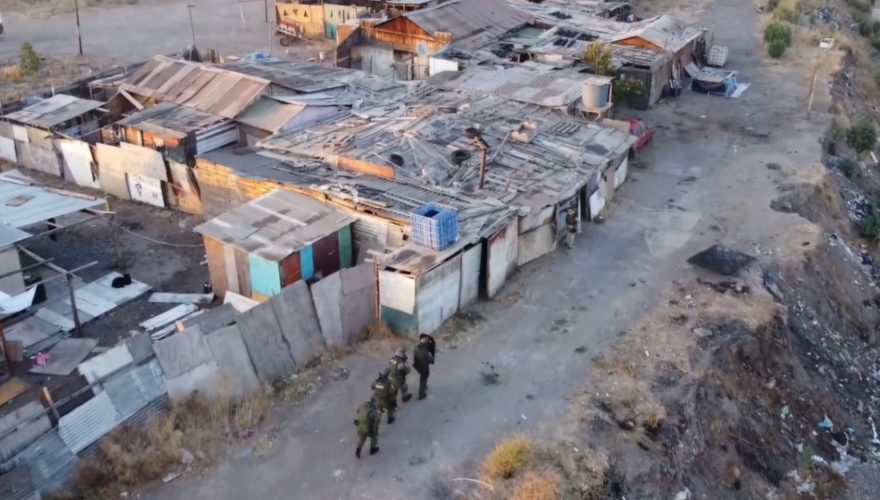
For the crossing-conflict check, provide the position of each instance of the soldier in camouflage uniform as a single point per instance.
(385, 395)
(367, 423)
(399, 370)
(423, 358)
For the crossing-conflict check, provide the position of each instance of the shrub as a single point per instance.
(29, 60)
(870, 227)
(597, 57)
(786, 14)
(545, 485)
(866, 27)
(862, 137)
(876, 27)
(508, 457)
(847, 167)
(624, 88)
(778, 31)
(860, 5)
(778, 38)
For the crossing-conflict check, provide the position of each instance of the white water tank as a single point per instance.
(595, 92)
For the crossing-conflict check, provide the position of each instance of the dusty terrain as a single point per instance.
(710, 176)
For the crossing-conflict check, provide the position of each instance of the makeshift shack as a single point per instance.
(275, 240)
(27, 136)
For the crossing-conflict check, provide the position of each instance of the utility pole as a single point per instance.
(190, 7)
(79, 37)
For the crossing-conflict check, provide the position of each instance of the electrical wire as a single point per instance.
(158, 242)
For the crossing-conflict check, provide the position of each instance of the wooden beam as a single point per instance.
(124, 93)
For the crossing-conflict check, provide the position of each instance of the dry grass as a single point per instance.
(508, 457)
(251, 410)
(543, 485)
(12, 73)
(297, 387)
(135, 455)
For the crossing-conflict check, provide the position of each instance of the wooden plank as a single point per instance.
(11, 389)
(169, 316)
(182, 298)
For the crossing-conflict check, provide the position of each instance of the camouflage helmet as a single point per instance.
(385, 373)
(401, 352)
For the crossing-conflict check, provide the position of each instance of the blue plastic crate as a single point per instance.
(434, 227)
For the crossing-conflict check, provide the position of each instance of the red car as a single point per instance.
(641, 133)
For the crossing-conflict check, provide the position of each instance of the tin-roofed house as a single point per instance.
(27, 135)
(260, 247)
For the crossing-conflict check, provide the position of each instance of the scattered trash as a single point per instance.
(721, 259)
(826, 43)
(771, 286)
(826, 424)
(187, 457)
(702, 332)
(40, 359)
(170, 477)
(683, 494)
(785, 412)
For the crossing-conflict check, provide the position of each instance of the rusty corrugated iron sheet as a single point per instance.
(206, 88)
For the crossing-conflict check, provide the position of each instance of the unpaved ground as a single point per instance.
(131, 33)
(706, 180)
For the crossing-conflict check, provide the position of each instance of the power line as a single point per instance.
(180, 245)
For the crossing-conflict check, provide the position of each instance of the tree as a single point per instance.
(597, 57)
(29, 60)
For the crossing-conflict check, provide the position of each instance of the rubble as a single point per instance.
(721, 259)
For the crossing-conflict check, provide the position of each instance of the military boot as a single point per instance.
(357, 452)
(375, 450)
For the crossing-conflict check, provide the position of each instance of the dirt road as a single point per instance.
(705, 175)
(130, 33)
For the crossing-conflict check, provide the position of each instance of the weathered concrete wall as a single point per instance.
(326, 295)
(182, 352)
(269, 352)
(471, 260)
(236, 372)
(358, 301)
(296, 315)
(437, 294)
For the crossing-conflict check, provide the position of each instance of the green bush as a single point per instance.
(847, 167)
(778, 38)
(862, 137)
(776, 48)
(866, 27)
(624, 88)
(778, 31)
(861, 5)
(876, 27)
(875, 42)
(870, 227)
(29, 60)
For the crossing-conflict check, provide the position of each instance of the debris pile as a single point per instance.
(721, 259)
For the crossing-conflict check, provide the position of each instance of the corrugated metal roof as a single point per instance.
(207, 88)
(171, 120)
(301, 77)
(10, 235)
(132, 390)
(664, 31)
(472, 23)
(89, 422)
(269, 114)
(544, 89)
(276, 224)
(29, 422)
(55, 110)
(50, 461)
(23, 204)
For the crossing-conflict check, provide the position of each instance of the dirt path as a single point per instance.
(130, 33)
(706, 174)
